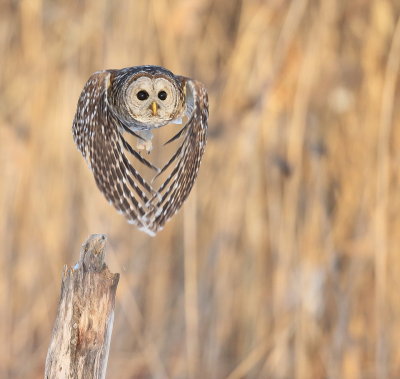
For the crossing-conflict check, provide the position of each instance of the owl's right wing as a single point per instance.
(97, 133)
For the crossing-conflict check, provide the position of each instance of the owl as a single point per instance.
(135, 101)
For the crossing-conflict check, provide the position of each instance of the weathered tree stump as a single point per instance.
(81, 335)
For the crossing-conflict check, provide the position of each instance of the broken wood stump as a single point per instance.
(81, 335)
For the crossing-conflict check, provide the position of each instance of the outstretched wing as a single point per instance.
(98, 135)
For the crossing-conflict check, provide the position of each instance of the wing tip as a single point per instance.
(148, 230)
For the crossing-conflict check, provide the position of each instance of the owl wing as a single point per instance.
(186, 160)
(97, 133)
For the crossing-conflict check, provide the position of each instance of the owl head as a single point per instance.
(152, 97)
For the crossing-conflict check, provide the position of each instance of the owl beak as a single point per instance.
(154, 108)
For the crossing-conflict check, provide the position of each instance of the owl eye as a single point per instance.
(162, 95)
(142, 95)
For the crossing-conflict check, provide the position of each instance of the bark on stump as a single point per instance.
(81, 335)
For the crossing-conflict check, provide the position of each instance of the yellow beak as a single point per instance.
(154, 108)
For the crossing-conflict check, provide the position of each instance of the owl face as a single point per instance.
(154, 100)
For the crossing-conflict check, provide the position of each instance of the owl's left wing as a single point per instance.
(186, 160)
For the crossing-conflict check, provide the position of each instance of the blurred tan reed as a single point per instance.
(285, 262)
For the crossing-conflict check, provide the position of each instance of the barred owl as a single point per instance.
(138, 100)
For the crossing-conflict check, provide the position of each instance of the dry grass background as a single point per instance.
(285, 262)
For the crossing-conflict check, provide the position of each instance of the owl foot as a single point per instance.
(145, 143)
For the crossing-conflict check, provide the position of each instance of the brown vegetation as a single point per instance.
(285, 262)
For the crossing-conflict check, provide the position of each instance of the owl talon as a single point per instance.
(144, 145)
(145, 142)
